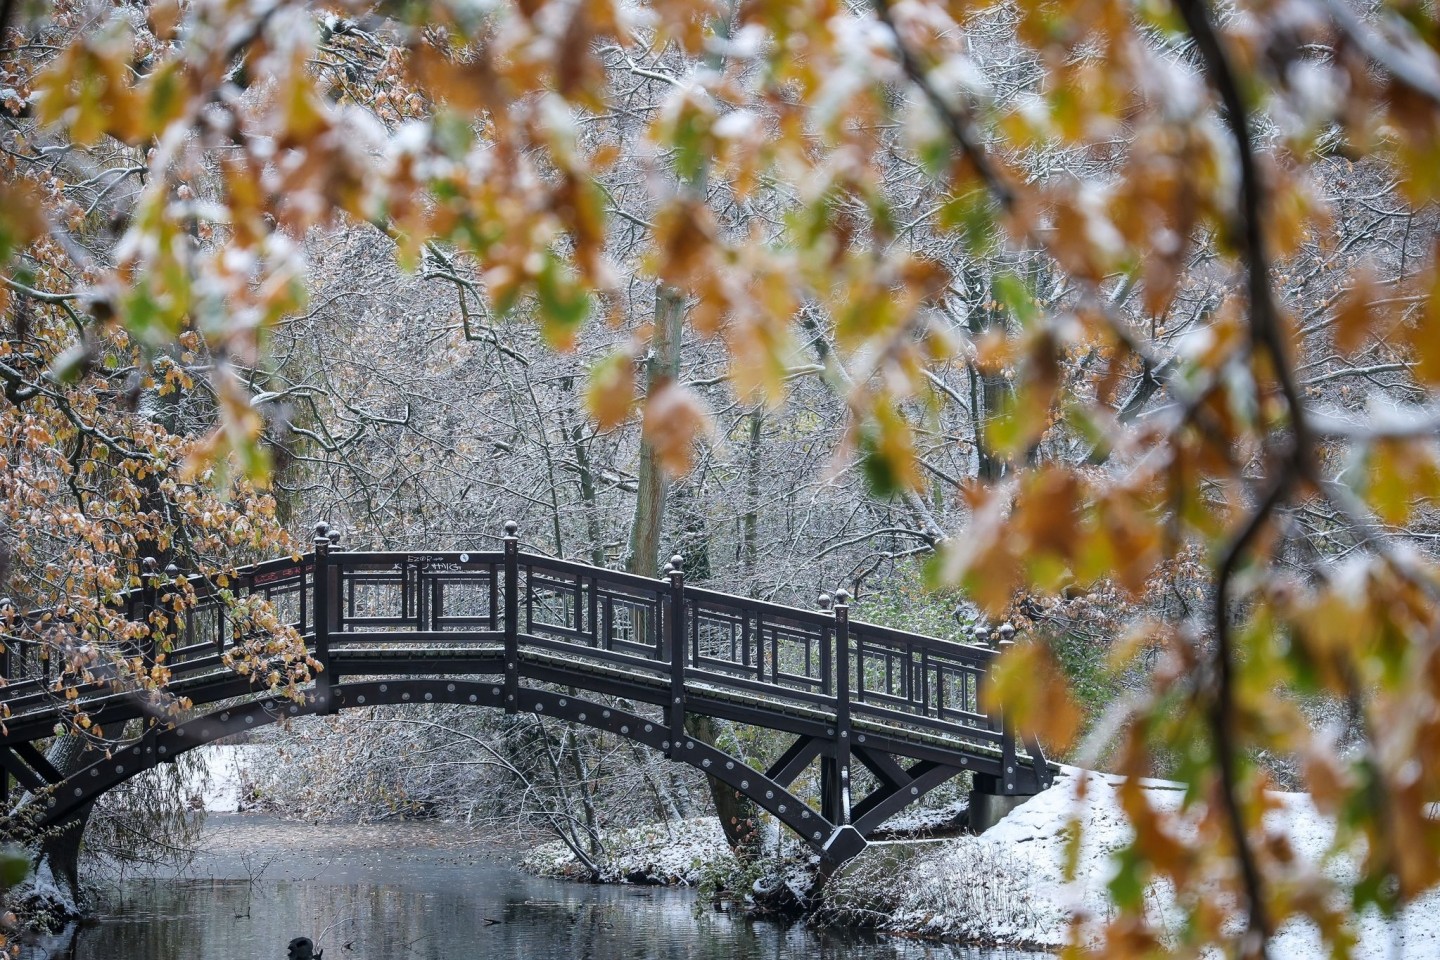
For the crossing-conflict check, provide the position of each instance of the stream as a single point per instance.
(423, 891)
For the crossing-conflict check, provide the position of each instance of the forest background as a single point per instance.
(1118, 321)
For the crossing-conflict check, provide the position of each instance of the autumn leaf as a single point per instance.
(564, 302)
(674, 422)
(610, 389)
(1354, 315)
(1035, 694)
(887, 451)
(21, 220)
(1402, 474)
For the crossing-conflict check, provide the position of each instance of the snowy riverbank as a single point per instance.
(1005, 887)
(675, 854)
(219, 778)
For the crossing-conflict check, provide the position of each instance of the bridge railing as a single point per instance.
(394, 595)
(188, 624)
(701, 642)
(612, 619)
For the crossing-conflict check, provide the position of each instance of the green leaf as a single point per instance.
(973, 217)
(14, 866)
(1127, 887)
(564, 304)
(1015, 295)
(881, 473)
(452, 134)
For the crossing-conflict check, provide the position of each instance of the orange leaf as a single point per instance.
(1030, 687)
(674, 420)
(610, 392)
(1353, 314)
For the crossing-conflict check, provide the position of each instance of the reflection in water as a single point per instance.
(404, 903)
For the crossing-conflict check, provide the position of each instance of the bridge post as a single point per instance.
(162, 641)
(994, 796)
(152, 601)
(837, 790)
(171, 603)
(7, 617)
(512, 616)
(1007, 732)
(324, 605)
(675, 640)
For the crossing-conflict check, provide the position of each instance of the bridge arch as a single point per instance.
(835, 842)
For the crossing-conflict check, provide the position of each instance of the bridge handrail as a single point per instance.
(965, 652)
(472, 558)
(632, 580)
(798, 614)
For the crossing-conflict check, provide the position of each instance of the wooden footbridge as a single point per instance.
(515, 631)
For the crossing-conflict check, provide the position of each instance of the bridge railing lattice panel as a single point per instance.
(768, 648)
(391, 597)
(921, 680)
(600, 615)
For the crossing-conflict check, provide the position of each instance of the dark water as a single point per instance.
(415, 892)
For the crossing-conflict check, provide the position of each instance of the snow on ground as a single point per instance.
(923, 820)
(675, 853)
(1006, 887)
(1415, 933)
(220, 775)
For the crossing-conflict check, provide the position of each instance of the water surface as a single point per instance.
(422, 892)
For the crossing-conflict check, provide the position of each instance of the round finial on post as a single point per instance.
(824, 602)
(666, 570)
(149, 565)
(334, 537)
(322, 530)
(1007, 634)
(982, 635)
(677, 561)
(842, 597)
(172, 571)
(511, 528)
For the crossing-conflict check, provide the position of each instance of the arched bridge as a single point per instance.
(517, 631)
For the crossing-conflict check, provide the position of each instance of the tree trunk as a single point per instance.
(750, 523)
(987, 396)
(57, 855)
(587, 494)
(664, 366)
(582, 779)
(737, 816)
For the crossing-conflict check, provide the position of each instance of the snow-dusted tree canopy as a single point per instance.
(1120, 321)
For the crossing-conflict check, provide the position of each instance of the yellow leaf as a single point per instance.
(1029, 686)
(610, 392)
(1354, 316)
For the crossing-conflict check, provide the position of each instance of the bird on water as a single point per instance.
(301, 948)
